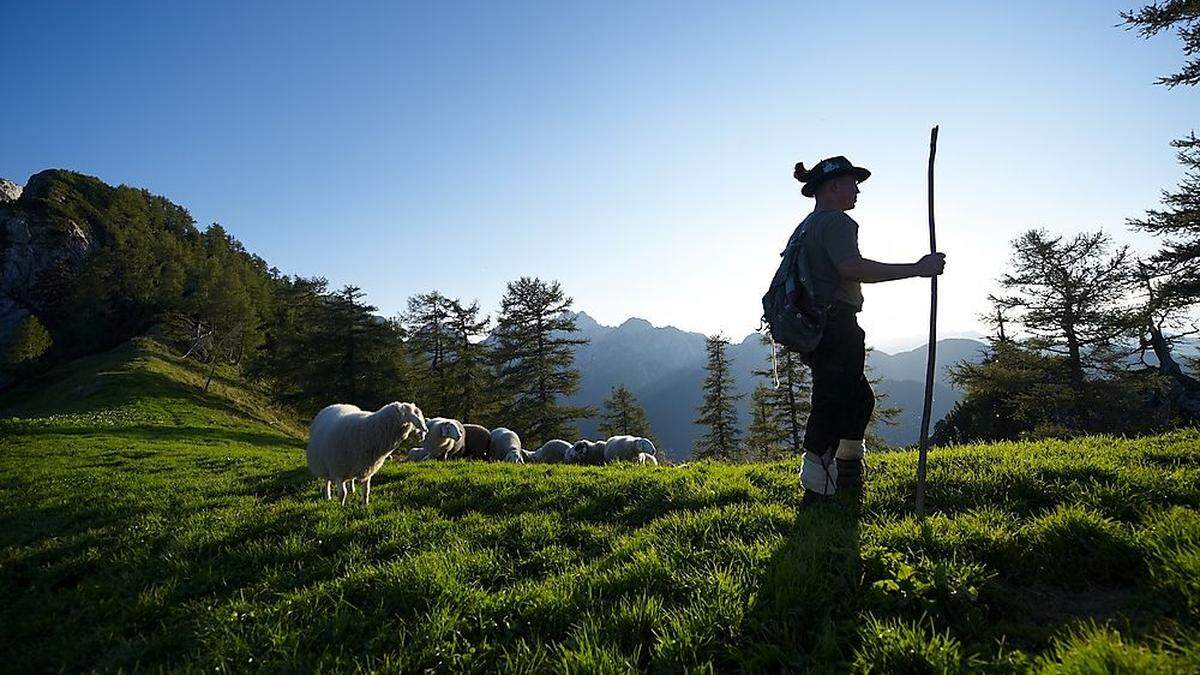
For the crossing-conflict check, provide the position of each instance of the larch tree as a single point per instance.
(790, 403)
(535, 356)
(427, 324)
(718, 411)
(764, 437)
(1070, 297)
(1170, 279)
(472, 380)
(622, 415)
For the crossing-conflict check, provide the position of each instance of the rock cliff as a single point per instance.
(34, 245)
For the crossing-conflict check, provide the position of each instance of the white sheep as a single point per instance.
(627, 448)
(586, 452)
(519, 456)
(504, 441)
(552, 452)
(446, 438)
(346, 444)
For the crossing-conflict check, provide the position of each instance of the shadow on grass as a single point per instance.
(802, 619)
(273, 487)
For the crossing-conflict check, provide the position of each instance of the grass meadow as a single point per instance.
(147, 526)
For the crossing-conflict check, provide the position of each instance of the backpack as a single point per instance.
(791, 312)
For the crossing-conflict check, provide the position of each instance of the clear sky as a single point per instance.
(639, 153)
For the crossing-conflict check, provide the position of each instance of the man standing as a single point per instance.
(842, 398)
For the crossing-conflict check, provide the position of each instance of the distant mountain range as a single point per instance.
(664, 368)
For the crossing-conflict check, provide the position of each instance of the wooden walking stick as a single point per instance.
(931, 359)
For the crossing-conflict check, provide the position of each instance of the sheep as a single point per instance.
(346, 444)
(552, 452)
(644, 458)
(504, 441)
(446, 438)
(519, 456)
(418, 454)
(586, 452)
(627, 448)
(478, 442)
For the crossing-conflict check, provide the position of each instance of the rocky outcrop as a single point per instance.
(9, 191)
(30, 247)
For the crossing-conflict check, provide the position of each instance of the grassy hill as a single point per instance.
(146, 526)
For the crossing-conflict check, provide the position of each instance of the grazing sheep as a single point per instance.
(552, 452)
(478, 442)
(644, 458)
(418, 454)
(346, 444)
(504, 441)
(519, 456)
(446, 438)
(627, 448)
(586, 452)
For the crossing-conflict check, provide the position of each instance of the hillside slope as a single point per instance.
(144, 526)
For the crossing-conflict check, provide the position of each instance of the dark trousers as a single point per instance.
(842, 398)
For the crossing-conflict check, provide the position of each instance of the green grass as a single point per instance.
(145, 526)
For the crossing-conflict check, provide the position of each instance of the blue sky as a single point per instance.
(639, 153)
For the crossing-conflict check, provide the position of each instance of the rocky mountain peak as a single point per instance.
(9, 191)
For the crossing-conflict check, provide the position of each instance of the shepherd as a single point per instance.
(842, 398)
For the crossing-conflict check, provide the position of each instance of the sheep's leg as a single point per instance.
(328, 489)
(345, 492)
(366, 492)
(353, 485)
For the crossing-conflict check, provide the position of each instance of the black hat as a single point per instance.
(826, 169)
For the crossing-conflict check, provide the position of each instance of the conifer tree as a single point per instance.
(1069, 297)
(623, 415)
(765, 438)
(473, 390)
(718, 411)
(535, 357)
(288, 359)
(431, 337)
(1171, 277)
(353, 355)
(791, 402)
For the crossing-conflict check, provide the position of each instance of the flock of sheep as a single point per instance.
(347, 445)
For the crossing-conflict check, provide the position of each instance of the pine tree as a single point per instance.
(431, 337)
(622, 415)
(718, 411)
(765, 438)
(535, 356)
(791, 402)
(289, 359)
(1171, 277)
(1069, 296)
(352, 356)
(473, 386)
(1184, 17)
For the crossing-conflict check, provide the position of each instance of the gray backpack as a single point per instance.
(791, 311)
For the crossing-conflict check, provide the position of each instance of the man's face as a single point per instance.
(846, 190)
(840, 193)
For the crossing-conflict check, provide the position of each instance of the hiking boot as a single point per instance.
(849, 475)
(812, 498)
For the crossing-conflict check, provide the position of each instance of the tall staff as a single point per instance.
(931, 359)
